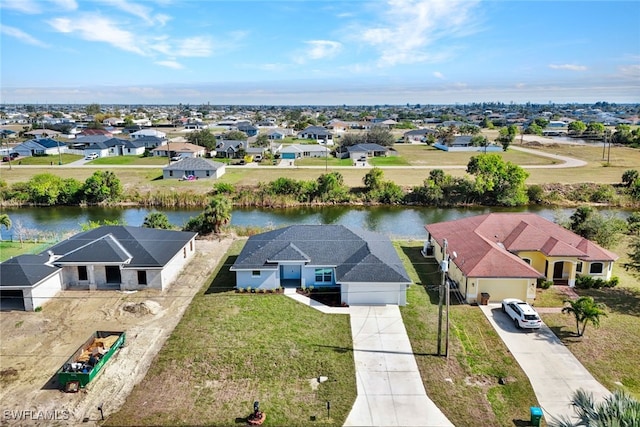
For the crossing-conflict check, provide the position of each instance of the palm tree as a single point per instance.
(585, 310)
(619, 409)
(6, 221)
(218, 213)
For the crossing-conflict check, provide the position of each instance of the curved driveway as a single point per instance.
(554, 372)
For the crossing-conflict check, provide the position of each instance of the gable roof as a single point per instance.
(194, 164)
(143, 247)
(25, 271)
(358, 255)
(366, 147)
(43, 142)
(487, 245)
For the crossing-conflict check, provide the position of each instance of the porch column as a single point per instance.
(91, 275)
(572, 274)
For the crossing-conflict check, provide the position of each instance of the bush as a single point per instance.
(535, 193)
(588, 282)
(544, 284)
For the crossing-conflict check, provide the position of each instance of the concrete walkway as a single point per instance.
(554, 372)
(390, 388)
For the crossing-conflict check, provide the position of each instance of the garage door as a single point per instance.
(370, 294)
(11, 300)
(499, 290)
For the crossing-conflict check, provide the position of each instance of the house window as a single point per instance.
(184, 252)
(595, 268)
(527, 260)
(255, 273)
(579, 267)
(82, 272)
(208, 173)
(142, 277)
(191, 245)
(170, 173)
(324, 275)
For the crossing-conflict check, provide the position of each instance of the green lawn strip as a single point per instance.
(51, 159)
(231, 349)
(11, 249)
(130, 160)
(388, 161)
(316, 161)
(465, 387)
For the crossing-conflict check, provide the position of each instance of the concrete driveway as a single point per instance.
(553, 370)
(390, 388)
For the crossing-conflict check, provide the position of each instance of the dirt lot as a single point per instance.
(33, 346)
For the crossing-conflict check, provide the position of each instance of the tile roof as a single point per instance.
(359, 256)
(25, 270)
(487, 245)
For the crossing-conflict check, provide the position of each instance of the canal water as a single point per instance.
(393, 221)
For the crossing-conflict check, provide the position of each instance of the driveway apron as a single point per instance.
(554, 372)
(390, 388)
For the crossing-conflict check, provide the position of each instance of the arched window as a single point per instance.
(595, 268)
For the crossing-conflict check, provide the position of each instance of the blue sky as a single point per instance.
(318, 52)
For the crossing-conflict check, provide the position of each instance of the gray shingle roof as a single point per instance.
(25, 270)
(194, 164)
(148, 247)
(359, 256)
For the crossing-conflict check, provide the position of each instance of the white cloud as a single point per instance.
(21, 35)
(570, 67)
(170, 64)
(97, 28)
(323, 49)
(143, 12)
(194, 46)
(24, 6)
(411, 28)
(438, 75)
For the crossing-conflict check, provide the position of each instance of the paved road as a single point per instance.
(553, 370)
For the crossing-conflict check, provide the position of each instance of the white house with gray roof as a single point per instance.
(108, 257)
(191, 168)
(363, 265)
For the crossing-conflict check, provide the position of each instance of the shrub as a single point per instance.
(544, 284)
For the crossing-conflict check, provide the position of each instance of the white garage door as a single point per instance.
(373, 294)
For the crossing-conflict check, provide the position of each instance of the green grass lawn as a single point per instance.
(232, 349)
(49, 160)
(331, 161)
(130, 160)
(465, 386)
(11, 249)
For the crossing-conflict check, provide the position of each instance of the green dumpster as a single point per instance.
(536, 416)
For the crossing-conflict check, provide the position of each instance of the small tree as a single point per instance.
(629, 177)
(157, 220)
(619, 409)
(634, 255)
(218, 213)
(373, 179)
(585, 310)
(6, 221)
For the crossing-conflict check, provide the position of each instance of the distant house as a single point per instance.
(193, 168)
(40, 147)
(247, 128)
(115, 147)
(417, 136)
(504, 254)
(43, 133)
(463, 143)
(194, 126)
(150, 142)
(91, 132)
(363, 265)
(300, 151)
(319, 134)
(148, 132)
(108, 257)
(231, 148)
(182, 149)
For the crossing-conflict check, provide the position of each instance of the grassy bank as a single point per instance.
(231, 349)
(465, 386)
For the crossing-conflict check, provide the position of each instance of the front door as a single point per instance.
(113, 274)
(558, 269)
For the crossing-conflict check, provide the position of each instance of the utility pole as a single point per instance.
(443, 269)
(606, 133)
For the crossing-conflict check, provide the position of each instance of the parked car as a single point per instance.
(176, 158)
(522, 314)
(91, 156)
(5, 159)
(14, 155)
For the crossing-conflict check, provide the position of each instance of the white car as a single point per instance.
(522, 314)
(91, 156)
